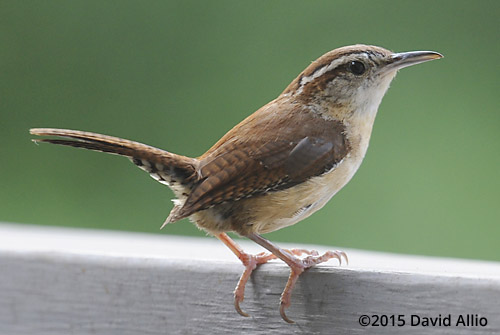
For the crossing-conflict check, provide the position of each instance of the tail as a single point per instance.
(178, 172)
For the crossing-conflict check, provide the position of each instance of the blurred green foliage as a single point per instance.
(179, 74)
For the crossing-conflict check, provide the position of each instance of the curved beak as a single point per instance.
(403, 59)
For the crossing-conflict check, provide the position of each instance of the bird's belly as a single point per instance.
(284, 208)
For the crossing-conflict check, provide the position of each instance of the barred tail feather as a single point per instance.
(174, 170)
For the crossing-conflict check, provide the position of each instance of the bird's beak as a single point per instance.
(404, 59)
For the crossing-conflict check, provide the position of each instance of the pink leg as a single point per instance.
(297, 266)
(250, 262)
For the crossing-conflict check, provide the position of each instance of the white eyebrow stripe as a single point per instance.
(322, 71)
(335, 63)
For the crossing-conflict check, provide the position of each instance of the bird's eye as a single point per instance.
(356, 68)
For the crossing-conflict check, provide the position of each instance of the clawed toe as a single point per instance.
(283, 314)
(238, 308)
(250, 262)
(335, 254)
(297, 267)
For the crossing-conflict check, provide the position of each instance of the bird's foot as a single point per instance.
(251, 262)
(296, 268)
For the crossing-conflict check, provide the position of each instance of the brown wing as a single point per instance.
(297, 150)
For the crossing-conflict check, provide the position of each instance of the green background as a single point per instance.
(179, 74)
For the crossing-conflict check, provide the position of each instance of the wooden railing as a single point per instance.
(73, 281)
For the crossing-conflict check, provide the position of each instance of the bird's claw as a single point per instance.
(238, 308)
(283, 315)
(296, 270)
(250, 262)
(299, 265)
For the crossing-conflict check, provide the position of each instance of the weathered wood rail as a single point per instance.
(72, 281)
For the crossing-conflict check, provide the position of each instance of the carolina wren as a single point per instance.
(279, 165)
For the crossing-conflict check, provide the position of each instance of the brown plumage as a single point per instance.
(279, 165)
(232, 170)
(235, 169)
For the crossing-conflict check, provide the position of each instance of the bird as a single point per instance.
(279, 165)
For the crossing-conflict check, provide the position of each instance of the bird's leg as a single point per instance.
(250, 262)
(297, 266)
